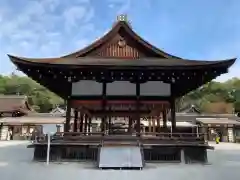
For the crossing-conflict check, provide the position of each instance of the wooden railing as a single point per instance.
(143, 137)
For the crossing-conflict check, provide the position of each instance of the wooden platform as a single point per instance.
(166, 148)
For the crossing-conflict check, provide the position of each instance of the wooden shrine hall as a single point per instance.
(122, 76)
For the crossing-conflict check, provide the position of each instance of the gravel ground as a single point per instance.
(16, 163)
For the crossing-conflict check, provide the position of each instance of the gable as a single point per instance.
(122, 45)
(120, 42)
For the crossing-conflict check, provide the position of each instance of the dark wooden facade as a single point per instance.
(121, 56)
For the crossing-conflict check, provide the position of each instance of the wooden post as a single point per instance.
(104, 91)
(78, 123)
(108, 121)
(81, 122)
(172, 107)
(149, 124)
(173, 114)
(130, 122)
(138, 128)
(85, 124)
(75, 120)
(68, 117)
(164, 114)
(89, 124)
(154, 125)
(109, 125)
(158, 122)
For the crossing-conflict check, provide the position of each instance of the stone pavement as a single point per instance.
(225, 146)
(16, 163)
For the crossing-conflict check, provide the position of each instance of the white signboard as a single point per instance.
(49, 128)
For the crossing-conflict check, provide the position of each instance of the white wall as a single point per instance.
(86, 87)
(155, 88)
(152, 88)
(121, 88)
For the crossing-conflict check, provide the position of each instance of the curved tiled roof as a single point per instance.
(11, 103)
(142, 62)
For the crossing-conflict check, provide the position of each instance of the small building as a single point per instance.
(11, 106)
(227, 126)
(22, 127)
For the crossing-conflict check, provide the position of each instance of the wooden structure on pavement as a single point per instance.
(123, 76)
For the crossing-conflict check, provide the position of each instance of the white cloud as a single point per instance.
(57, 27)
(39, 28)
(73, 15)
(81, 43)
(123, 6)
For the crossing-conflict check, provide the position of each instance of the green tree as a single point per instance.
(39, 97)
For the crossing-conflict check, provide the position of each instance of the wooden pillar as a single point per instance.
(81, 121)
(75, 120)
(158, 122)
(85, 124)
(172, 107)
(78, 123)
(110, 125)
(108, 121)
(149, 124)
(130, 122)
(173, 114)
(68, 117)
(104, 91)
(89, 124)
(138, 127)
(164, 116)
(154, 125)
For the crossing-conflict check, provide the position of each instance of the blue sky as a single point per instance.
(193, 29)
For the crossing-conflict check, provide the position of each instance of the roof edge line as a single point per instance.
(27, 59)
(17, 60)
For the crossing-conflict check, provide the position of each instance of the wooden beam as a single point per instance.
(120, 114)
